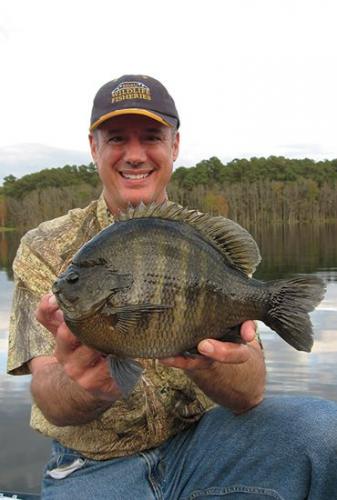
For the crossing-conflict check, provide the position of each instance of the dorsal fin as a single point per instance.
(233, 241)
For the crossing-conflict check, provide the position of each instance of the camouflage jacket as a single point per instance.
(163, 403)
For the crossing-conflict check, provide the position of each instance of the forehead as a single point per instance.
(133, 122)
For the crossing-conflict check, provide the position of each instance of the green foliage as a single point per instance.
(206, 173)
(10, 179)
(274, 168)
(69, 175)
(260, 190)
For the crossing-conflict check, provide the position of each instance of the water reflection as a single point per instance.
(22, 451)
(299, 248)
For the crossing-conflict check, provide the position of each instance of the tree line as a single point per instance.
(250, 191)
(260, 190)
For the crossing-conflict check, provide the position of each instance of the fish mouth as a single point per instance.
(70, 311)
(63, 302)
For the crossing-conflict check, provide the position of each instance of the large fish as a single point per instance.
(162, 278)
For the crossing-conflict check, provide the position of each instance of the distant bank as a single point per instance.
(254, 191)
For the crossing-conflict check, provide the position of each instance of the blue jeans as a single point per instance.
(285, 448)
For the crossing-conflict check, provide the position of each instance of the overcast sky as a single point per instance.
(249, 77)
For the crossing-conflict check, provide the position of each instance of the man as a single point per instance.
(167, 440)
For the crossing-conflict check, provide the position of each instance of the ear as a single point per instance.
(93, 146)
(176, 142)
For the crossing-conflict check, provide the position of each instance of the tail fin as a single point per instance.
(291, 301)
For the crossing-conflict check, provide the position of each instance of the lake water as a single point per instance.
(286, 251)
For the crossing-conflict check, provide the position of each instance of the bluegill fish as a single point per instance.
(162, 278)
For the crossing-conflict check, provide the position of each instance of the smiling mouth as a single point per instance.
(135, 177)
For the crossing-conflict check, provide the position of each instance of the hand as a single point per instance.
(48, 313)
(84, 365)
(215, 350)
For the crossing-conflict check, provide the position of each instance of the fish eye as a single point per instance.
(72, 277)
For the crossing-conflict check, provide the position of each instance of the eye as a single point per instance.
(116, 139)
(72, 277)
(153, 138)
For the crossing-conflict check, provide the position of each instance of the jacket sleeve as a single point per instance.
(27, 337)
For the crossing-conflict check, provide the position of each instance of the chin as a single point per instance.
(146, 198)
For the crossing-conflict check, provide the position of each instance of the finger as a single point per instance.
(69, 344)
(56, 313)
(48, 313)
(99, 382)
(75, 357)
(248, 330)
(224, 352)
(66, 342)
(81, 363)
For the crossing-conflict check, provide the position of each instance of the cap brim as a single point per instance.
(131, 111)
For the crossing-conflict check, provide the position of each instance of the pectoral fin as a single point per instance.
(127, 316)
(125, 372)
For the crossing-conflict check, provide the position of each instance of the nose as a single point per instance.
(135, 153)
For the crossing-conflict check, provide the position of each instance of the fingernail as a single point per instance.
(59, 315)
(52, 300)
(206, 347)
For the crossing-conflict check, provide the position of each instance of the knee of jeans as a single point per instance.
(321, 426)
(305, 421)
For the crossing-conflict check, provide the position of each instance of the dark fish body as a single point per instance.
(162, 278)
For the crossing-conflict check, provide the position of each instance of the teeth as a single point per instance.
(134, 176)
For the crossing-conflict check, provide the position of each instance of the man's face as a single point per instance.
(134, 157)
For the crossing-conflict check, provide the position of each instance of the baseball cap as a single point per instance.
(134, 94)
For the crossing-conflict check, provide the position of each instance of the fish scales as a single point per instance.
(161, 278)
(160, 285)
(156, 286)
(183, 302)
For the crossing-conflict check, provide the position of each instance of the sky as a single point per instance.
(249, 77)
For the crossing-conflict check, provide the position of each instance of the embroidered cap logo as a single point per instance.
(127, 91)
